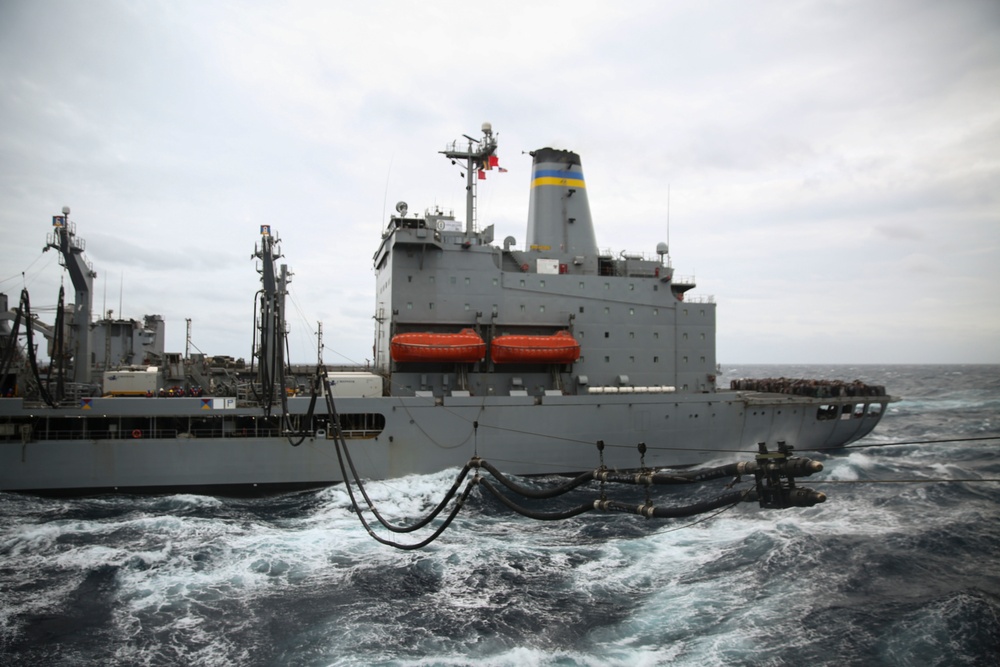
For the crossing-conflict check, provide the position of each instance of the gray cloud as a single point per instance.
(822, 158)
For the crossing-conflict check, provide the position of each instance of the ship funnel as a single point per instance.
(558, 211)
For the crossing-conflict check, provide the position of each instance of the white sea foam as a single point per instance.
(196, 580)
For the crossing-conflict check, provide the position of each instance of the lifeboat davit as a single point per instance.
(558, 348)
(465, 346)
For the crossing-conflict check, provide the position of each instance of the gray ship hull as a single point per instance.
(519, 434)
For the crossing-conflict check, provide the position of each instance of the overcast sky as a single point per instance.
(834, 167)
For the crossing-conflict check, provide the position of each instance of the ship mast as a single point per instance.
(270, 351)
(64, 239)
(477, 158)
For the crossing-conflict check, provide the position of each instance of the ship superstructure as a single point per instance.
(628, 317)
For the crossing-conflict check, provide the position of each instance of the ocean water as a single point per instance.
(898, 567)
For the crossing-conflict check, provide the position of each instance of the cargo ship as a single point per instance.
(527, 355)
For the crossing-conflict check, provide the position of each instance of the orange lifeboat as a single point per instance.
(464, 346)
(559, 348)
